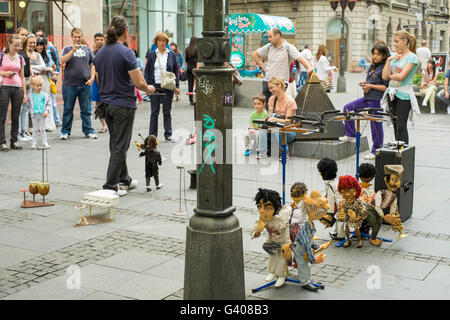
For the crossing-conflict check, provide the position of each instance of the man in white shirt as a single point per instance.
(307, 54)
(278, 54)
(423, 54)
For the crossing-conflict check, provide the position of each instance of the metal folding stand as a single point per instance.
(317, 285)
(362, 115)
(295, 126)
(363, 235)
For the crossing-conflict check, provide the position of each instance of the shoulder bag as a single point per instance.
(167, 77)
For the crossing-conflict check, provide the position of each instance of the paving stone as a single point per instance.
(126, 283)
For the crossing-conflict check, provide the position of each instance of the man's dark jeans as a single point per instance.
(70, 95)
(120, 126)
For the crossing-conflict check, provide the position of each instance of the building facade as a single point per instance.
(370, 21)
(179, 19)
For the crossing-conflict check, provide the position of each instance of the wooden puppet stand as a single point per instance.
(34, 204)
(101, 198)
(318, 285)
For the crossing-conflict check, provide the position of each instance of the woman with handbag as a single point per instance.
(47, 74)
(324, 67)
(161, 71)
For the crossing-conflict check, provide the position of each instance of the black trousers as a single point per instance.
(15, 94)
(120, 126)
(401, 109)
(266, 92)
(155, 105)
(155, 176)
(190, 79)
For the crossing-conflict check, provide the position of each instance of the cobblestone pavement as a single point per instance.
(419, 264)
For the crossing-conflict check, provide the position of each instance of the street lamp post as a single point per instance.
(423, 4)
(214, 261)
(341, 85)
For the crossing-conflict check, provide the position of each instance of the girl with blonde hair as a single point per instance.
(400, 69)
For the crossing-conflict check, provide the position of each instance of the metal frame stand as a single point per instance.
(363, 236)
(318, 285)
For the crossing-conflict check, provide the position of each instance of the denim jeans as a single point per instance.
(55, 109)
(23, 118)
(265, 138)
(70, 95)
(120, 126)
(15, 95)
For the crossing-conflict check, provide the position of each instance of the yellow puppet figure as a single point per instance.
(275, 219)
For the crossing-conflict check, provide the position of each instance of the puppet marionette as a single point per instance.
(386, 199)
(316, 207)
(152, 160)
(299, 214)
(328, 170)
(351, 210)
(367, 173)
(275, 219)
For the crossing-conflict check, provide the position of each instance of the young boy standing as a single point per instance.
(260, 113)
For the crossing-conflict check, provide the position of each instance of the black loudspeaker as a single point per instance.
(389, 154)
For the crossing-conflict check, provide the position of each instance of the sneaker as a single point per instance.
(370, 156)
(91, 136)
(64, 136)
(247, 152)
(33, 147)
(15, 145)
(121, 192)
(171, 140)
(159, 186)
(261, 155)
(133, 185)
(22, 138)
(347, 139)
(432, 112)
(3, 147)
(27, 136)
(46, 146)
(148, 189)
(424, 104)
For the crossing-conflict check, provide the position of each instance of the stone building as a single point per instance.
(371, 20)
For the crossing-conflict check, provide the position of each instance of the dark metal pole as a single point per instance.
(423, 21)
(214, 263)
(341, 85)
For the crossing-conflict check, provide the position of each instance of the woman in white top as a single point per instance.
(323, 66)
(429, 84)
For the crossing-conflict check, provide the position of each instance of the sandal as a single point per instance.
(103, 130)
(347, 244)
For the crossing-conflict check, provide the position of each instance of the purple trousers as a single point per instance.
(376, 127)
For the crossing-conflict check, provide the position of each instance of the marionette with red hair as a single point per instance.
(351, 210)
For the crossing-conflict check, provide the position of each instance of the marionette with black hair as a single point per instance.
(367, 173)
(152, 160)
(274, 217)
(328, 171)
